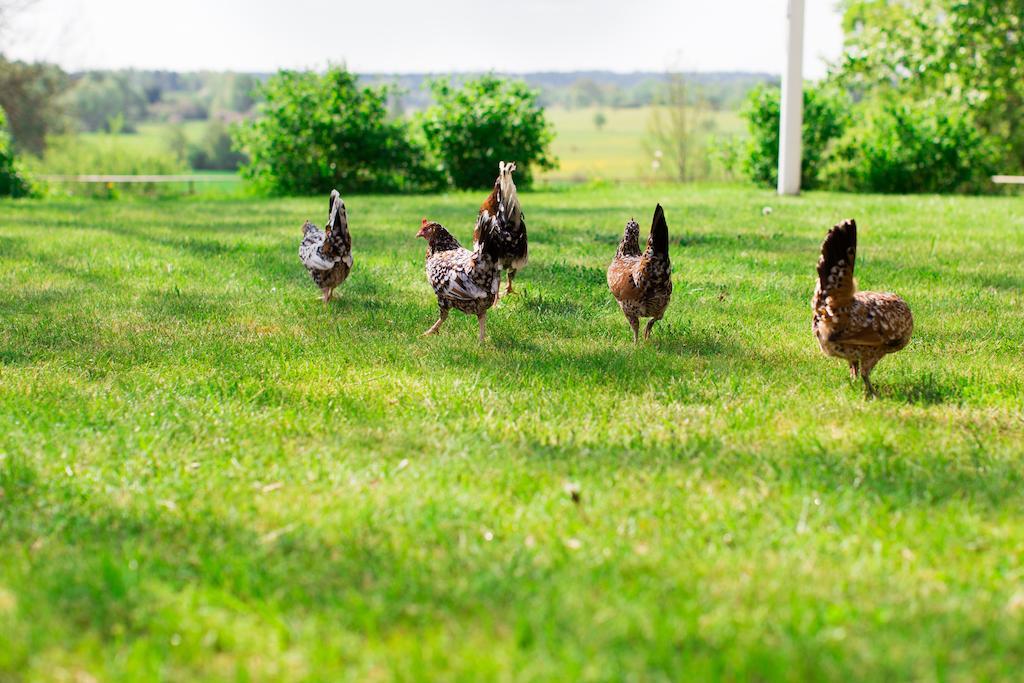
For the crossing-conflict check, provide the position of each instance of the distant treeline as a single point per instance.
(42, 99)
(575, 89)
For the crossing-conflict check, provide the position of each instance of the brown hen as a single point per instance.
(859, 327)
(642, 282)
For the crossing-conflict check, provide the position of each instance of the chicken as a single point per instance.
(328, 255)
(502, 215)
(642, 282)
(462, 279)
(859, 327)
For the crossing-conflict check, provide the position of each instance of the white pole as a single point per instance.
(791, 125)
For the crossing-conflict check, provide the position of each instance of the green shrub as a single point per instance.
(905, 147)
(315, 132)
(487, 120)
(13, 182)
(965, 50)
(826, 116)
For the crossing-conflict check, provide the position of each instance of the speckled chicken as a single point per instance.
(859, 327)
(502, 217)
(327, 255)
(642, 282)
(462, 279)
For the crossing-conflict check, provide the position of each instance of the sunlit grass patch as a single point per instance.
(204, 473)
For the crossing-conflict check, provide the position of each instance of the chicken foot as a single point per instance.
(436, 326)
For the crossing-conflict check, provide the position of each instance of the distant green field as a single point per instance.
(205, 474)
(617, 151)
(150, 138)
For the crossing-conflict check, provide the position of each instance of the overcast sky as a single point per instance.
(426, 35)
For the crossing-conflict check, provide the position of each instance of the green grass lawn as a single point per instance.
(204, 474)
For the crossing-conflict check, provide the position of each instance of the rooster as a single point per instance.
(328, 255)
(462, 279)
(501, 216)
(859, 327)
(642, 282)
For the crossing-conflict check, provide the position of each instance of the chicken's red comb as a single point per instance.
(424, 223)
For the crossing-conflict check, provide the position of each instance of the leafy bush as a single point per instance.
(314, 132)
(900, 146)
(13, 182)
(105, 154)
(826, 115)
(487, 120)
(957, 49)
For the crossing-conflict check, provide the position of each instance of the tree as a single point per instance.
(600, 120)
(487, 120)
(677, 129)
(99, 97)
(966, 50)
(314, 132)
(232, 93)
(586, 93)
(31, 96)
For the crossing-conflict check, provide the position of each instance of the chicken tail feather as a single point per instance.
(835, 266)
(335, 195)
(658, 240)
(337, 225)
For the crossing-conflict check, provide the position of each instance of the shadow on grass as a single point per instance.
(113, 570)
(1000, 281)
(924, 390)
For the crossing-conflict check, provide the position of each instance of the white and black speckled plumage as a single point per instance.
(859, 327)
(501, 217)
(462, 279)
(642, 282)
(327, 255)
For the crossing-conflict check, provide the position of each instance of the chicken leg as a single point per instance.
(511, 275)
(634, 323)
(482, 320)
(436, 326)
(867, 365)
(650, 326)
